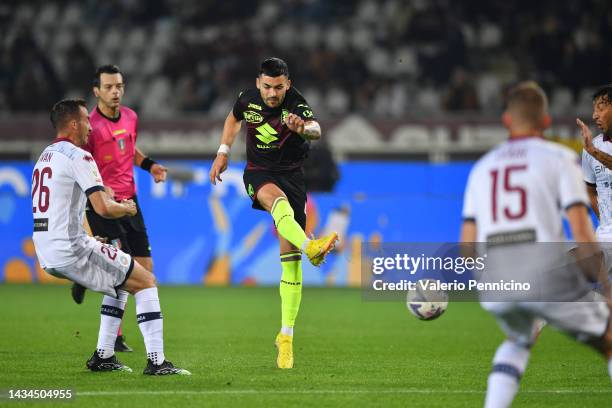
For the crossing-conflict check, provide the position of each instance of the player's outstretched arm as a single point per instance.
(106, 207)
(587, 139)
(231, 127)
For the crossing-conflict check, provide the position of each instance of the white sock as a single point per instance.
(509, 365)
(610, 368)
(288, 331)
(111, 313)
(151, 323)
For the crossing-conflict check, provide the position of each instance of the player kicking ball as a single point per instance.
(280, 125)
(64, 177)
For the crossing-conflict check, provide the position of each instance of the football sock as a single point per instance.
(610, 368)
(287, 226)
(111, 313)
(287, 331)
(151, 323)
(509, 365)
(290, 289)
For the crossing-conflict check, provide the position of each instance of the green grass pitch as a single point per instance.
(347, 351)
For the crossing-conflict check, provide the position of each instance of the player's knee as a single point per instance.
(149, 281)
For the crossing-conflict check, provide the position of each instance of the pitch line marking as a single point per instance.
(306, 392)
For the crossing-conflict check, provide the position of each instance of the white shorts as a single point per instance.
(585, 319)
(104, 270)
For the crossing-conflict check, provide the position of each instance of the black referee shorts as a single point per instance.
(291, 183)
(129, 232)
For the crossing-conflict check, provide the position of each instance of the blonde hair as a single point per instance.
(527, 102)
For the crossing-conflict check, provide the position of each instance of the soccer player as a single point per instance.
(597, 161)
(64, 177)
(112, 144)
(516, 194)
(280, 124)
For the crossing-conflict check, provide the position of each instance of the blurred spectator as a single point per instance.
(358, 56)
(461, 94)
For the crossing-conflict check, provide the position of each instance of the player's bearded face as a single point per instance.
(111, 90)
(273, 89)
(602, 114)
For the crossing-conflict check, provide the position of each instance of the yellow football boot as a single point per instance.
(317, 249)
(284, 344)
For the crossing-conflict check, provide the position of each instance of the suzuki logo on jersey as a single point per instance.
(267, 133)
(253, 117)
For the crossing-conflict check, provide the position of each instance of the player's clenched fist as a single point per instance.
(295, 123)
(158, 172)
(218, 167)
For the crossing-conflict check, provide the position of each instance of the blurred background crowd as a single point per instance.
(381, 59)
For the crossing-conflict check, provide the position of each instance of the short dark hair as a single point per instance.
(105, 69)
(65, 110)
(274, 67)
(605, 92)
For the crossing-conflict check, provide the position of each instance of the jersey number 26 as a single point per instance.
(38, 186)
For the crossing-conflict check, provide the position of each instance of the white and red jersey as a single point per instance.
(63, 177)
(596, 174)
(520, 189)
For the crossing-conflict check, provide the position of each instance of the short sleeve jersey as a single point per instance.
(524, 185)
(600, 176)
(63, 177)
(271, 146)
(112, 143)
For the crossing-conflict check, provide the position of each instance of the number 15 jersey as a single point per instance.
(519, 191)
(62, 178)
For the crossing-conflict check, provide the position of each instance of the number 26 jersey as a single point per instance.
(62, 178)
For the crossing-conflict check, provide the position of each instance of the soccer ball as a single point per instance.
(426, 304)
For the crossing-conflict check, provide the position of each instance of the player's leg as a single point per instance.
(141, 283)
(588, 319)
(114, 234)
(512, 356)
(291, 295)
(137, 240)
(604, 344)
(274, 200)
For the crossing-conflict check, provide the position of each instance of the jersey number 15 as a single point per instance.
(508, 188)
